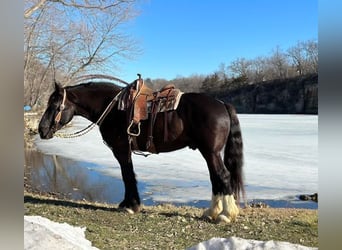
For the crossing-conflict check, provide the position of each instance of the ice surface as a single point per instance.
(281, 160)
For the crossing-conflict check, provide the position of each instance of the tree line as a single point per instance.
(298, 60)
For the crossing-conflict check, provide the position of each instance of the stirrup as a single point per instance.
(129, 129)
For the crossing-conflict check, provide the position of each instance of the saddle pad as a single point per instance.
(165, 103)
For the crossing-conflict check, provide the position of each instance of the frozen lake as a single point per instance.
(281, 162)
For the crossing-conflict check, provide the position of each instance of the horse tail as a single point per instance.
(233, 154)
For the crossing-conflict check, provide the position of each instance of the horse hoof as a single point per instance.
(126, 210)
(222, 219)
(129, 211)
(206, 218)
(210, 215)
(131, 208)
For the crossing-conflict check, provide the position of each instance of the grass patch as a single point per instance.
(171, 227)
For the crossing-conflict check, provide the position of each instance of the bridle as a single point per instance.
(102, 117)
(90, 126)
(61, 108)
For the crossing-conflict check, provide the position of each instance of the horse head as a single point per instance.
(58, 113)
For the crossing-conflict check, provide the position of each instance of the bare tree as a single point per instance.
(311, 50)
(258, 69)
(240, 67)
(279, 64)
(223, 71)
(296, 53)
(304, 56)
(67, 38)
(191, 83)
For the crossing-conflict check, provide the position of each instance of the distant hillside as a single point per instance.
(298, 95)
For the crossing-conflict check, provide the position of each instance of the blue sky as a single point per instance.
(184, 37)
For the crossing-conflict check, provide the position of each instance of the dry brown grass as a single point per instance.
(171, 227)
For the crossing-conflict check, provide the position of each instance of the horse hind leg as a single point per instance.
(223, 209)
(223, 206)
(215, 209)
(230, 211)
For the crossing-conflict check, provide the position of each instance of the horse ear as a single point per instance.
(58, 86)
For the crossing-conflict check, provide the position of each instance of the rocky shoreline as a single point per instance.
(309, 197)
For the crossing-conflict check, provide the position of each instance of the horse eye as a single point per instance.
(54, 101)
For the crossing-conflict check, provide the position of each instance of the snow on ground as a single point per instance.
(239, 243)
(42, 233)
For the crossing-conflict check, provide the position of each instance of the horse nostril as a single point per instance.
(40, 131)
(41, 134)
(44, 132)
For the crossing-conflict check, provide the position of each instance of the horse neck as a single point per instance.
(91, 102)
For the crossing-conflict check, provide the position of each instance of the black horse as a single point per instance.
(200, 122)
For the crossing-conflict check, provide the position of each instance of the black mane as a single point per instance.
(107, 85)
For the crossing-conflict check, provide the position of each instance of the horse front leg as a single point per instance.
(131, 202)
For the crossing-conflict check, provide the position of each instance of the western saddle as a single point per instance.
(141, 102)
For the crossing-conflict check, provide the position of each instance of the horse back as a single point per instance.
(200, 108)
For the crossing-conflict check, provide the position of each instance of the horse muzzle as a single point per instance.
(45, 133)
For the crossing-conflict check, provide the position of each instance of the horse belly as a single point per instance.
(168, 134)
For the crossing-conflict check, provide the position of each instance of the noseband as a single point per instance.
(61, 108)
